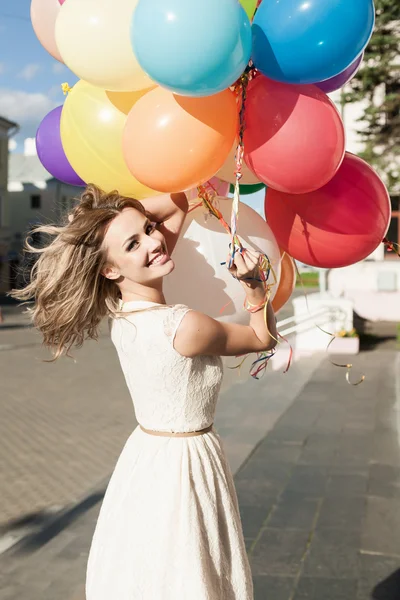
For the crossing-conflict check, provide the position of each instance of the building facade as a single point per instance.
(7, 129)
(35, 198)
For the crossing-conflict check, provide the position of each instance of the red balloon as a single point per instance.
(294, 138)
(337, 225)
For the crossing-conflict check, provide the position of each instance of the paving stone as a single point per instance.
(278, 453)
(309, 479)
(275, 588)
(292, 434)
(260, 468)
(258, 482)
(325, 589)
(317, 454)
(333, 554)
(384, 481)
(381, 532)
(256, 493)
(344, 512)
(253, 518)
(385, 449)
(347, 481)
(294, 510)
(354, 449)
(279, 552)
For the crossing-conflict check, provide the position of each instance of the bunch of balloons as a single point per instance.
(156, 109)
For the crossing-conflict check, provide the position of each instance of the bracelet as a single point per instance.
(253, 308)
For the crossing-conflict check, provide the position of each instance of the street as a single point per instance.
(316, 465)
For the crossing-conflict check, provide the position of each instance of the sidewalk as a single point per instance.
(319, 494)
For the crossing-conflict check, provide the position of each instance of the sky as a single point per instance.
(30, 78)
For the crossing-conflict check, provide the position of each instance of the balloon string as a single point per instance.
(241, 90)
(207, 193)
(391, 246)
(347, 366)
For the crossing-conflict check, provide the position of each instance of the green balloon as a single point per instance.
(246, 190)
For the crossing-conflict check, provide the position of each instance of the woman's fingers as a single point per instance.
(241, 266)
(252, 253)
(246, 264)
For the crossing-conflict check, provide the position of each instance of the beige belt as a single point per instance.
(177, 434)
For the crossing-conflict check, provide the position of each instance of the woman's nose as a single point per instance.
(153, 244)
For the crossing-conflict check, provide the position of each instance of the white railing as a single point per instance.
(310, 320)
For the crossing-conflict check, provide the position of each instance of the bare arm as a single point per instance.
(199, 334)
(170, 211)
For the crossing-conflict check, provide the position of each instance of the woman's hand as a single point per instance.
(246, 267)
(169, 210)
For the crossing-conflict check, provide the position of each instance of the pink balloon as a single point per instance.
(221, 187)
(61, 2)
(337, 225)
(294, 138)
(43, 15)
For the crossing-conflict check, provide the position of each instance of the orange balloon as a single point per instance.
(173, 143)
(287, 282)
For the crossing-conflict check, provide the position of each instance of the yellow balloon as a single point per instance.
(249, 6)
(92, 123)
(93, 39)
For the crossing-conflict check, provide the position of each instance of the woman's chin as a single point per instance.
(169, 267)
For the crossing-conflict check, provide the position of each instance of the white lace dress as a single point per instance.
(169, 526)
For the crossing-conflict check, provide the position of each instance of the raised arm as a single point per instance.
(169, 210)
(199, 334)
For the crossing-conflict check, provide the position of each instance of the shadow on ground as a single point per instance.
(46, 527)
(389, 588)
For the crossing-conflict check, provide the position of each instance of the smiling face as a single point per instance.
(136, 252)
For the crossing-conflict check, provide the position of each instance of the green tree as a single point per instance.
(378, 82)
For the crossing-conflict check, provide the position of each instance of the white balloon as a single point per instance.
(199, 280)
(94, 40)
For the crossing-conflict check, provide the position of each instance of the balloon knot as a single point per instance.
(65, 88)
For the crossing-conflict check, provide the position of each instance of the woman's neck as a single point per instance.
(146, 294)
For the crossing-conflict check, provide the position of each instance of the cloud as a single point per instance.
(58, 68)
(25, 108)
(12, 145)
(29, 72)
(30, 147)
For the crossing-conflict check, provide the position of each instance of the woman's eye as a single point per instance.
(152, 227)
(132, 245)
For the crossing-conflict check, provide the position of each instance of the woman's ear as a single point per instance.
(111, 272)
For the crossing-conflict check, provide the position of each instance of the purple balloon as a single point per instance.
(51, 152)
(335, 83)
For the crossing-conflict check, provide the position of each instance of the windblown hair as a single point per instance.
(71, 296)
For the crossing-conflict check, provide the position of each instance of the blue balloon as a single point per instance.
(192, 48)
(308, 41)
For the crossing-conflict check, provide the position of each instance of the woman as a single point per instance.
(169, 526)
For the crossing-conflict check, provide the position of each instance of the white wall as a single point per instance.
(55, 199)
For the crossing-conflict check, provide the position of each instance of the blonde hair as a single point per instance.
(71, 295)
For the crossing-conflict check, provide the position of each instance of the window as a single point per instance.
(67, 204)
(393, 235)
(36, 201)
(395, 202)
